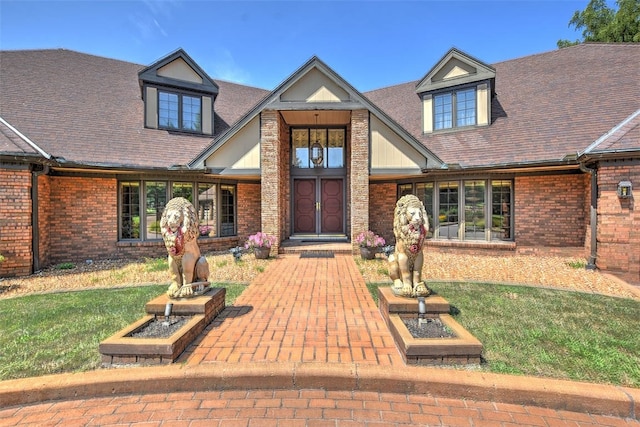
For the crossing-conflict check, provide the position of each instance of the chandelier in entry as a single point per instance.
(317, 150)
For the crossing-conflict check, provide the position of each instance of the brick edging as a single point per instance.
(590, 398)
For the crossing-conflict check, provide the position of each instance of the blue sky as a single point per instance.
(372, 44)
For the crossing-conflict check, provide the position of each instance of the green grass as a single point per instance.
(549, 333)
(60, 332)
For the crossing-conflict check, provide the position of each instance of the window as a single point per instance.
(332, 142)
(156, 200)
(454, 109)
(448, 221)
(142, 204)
(179, 111)
(463, 212)
(129, 210)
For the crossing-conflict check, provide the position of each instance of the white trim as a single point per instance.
(25, 139)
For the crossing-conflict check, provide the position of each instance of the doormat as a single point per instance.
(317, 254)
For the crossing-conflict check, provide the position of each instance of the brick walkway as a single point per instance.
(305, 345)
(301, 310)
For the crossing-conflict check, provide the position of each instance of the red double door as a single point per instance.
(318, 206)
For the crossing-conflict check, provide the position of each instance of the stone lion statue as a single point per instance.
(179, 224)
(410, 225)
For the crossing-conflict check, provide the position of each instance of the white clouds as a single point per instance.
(220, 64)
(150, 21)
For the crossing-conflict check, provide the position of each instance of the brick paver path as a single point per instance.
(301, 310)
(240, 408)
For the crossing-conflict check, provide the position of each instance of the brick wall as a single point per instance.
(15, 221)
(359, 174)
(618, 236)
(44, 216)
(248, 209)
(382, 202)
(83, 218)
(550, 210)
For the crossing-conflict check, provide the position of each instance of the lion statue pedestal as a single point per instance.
(179, 224)
(410, 225)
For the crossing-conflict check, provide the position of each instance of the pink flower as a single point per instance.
(368, 239)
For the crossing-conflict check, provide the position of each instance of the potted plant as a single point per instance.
(260, 244)
(369, 243)
(205, 230)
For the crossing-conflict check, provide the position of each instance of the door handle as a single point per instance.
(317, 206)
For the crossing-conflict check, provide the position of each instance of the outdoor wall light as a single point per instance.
(624, 189)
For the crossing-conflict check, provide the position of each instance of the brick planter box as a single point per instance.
(122, 348)
(462, 348)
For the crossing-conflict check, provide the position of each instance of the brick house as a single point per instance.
(538, 154)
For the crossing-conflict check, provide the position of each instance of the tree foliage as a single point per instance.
(600, 23)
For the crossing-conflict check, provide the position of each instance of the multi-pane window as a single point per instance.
(129, 210)
(179, 111)
(207, 213)
(424, 191)
(227, 210)
(463, 210)
(448, 208)
(156, 200)
(501, 210)
(142, 204)
(454, 109)
(330, 142)
(474, 210)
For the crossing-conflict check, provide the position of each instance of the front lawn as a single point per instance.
(549, 333)
(60, 332)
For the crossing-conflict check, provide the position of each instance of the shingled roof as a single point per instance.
(547, 106)
(88, 110)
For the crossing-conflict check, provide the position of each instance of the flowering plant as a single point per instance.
(259, 240)
(205, 229)
(368, 239)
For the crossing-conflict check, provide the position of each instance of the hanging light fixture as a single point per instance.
(317, 149)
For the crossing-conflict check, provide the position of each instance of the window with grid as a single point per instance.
(454, 109)
(179, 111)
(465, 203)
(141, 204)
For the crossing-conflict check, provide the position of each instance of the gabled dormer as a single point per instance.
(456, 93)
(178, 95)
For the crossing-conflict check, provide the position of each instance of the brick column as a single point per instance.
(359, 175)
(270, 192)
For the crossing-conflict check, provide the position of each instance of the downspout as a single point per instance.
(591, 263)
(35, 208)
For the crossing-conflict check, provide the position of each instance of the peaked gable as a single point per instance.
(178, 68)
(455, 68)
(316, 86)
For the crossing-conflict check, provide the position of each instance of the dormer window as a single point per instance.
(179, 111)
(460, 104)
(456, 93)
(178, 95)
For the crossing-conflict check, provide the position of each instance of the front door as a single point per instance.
(318, 206)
